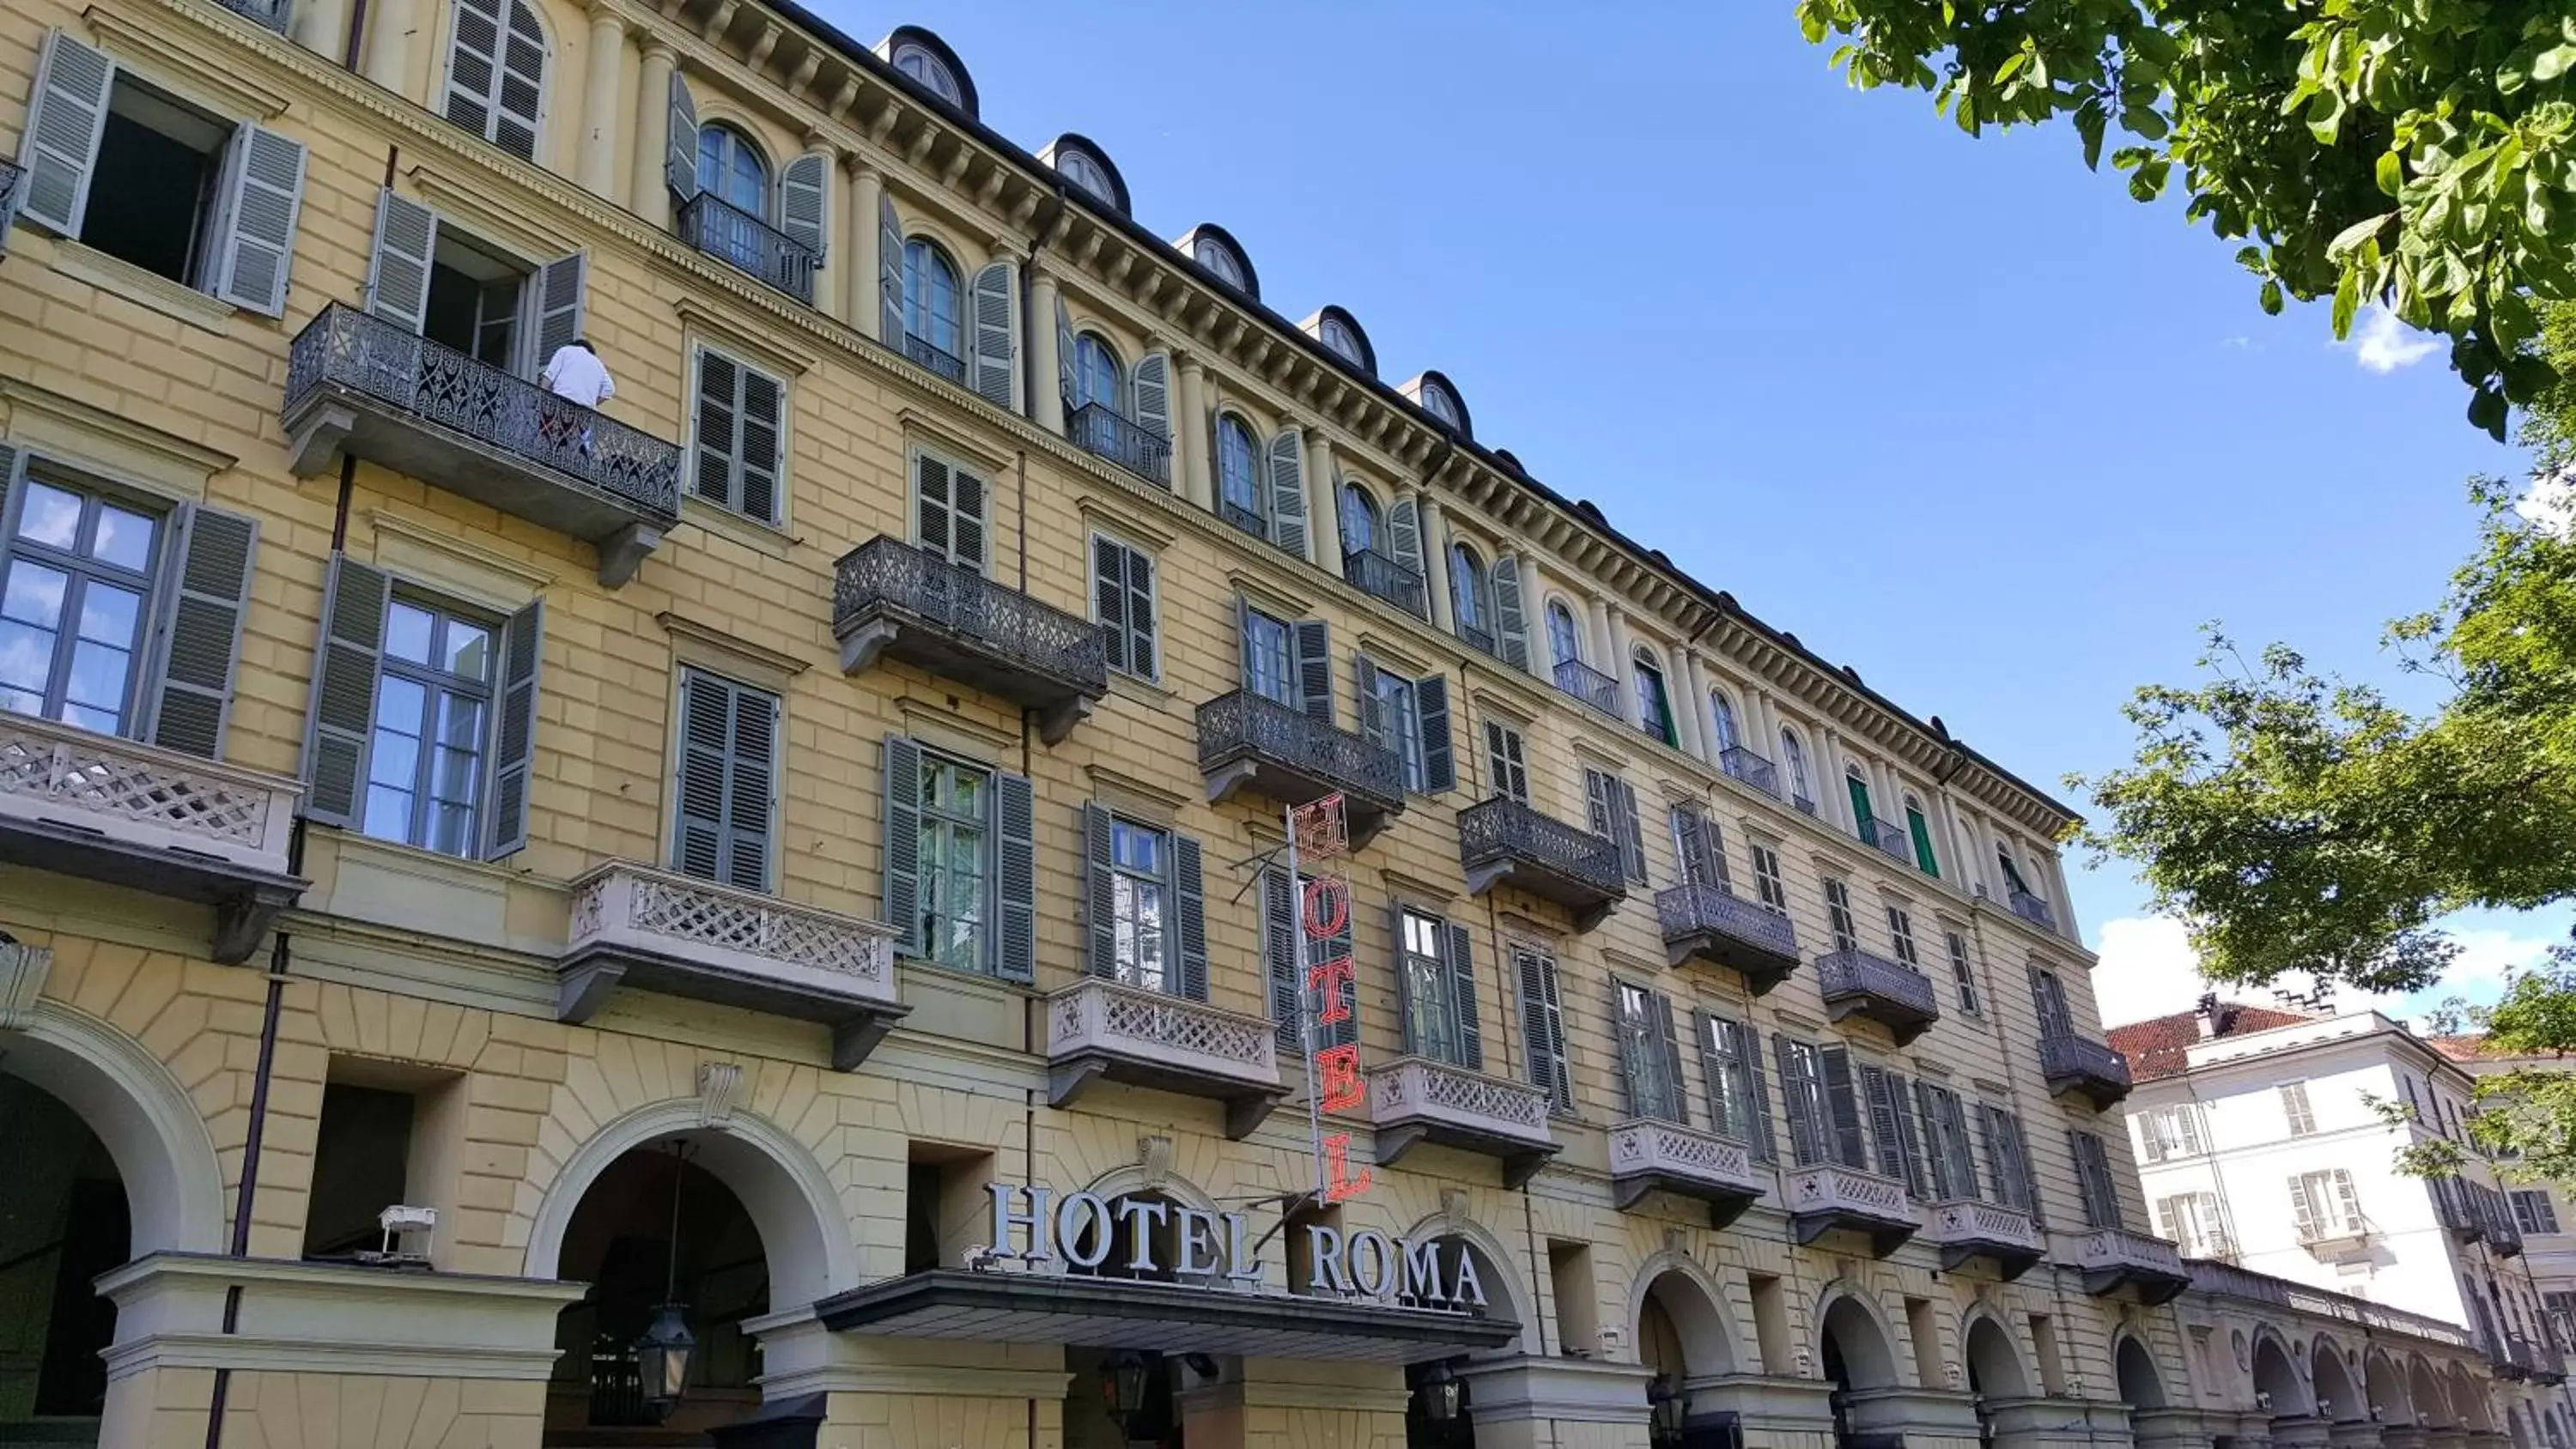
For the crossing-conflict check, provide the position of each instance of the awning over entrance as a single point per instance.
(1174, 1318)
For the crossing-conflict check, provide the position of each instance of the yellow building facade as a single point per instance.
(498, 885)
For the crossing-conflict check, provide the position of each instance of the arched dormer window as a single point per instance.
(1340, 333)
(1238, 476)
(496, 73)
(1338, 336)
(1438, 402)
(1082, 171)
(1564, 641)
(1918, 830)
(1469, 596)
(1098, 379)
(931, 318)
(918, 61)
(1654, 702)
(1794, 755)
(1217, 258)
(1434, 394)
(1220, 256)
(1359, 520)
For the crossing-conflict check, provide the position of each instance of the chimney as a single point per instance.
(2208, 1012)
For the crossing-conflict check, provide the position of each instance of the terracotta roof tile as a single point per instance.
(2157, 1046)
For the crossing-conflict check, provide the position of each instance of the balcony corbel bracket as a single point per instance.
(862, 645)
(1393, 1143)
(315, 440)
(1484, 877)
(855, 1039)
(1520, 1167)
(1723, 1207)
(1056, 721)
(2010, 1264)
(1244, 1115)
(582, 987)
(1067, 1081)
(242, 921)
(1225, 780)
(1591, 916)
(622, 553)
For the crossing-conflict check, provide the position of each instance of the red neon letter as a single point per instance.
(1337, 1079)
(1332, 898)
(1339, 1185)
(1328, 978)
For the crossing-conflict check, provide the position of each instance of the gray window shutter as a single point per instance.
(1100, 896)
(1850, 1141)
(728, 770)
(474, 65)
(803, 186)
(1632, 831)
(1909, 1140)
(1279, 955)
(1143, 649)
(199, 629)
(1109, 598)
(60, 146)
(1878, 1089)
(1628, 1047)
(1439, 759)
(1065, 346)
(1798, 1090)
(1345, 1032)
(1941, 1169)
(340, 724)
(1511, 614)
(994, 317)
(1404, 533)
(1959, 1147)
(561, 285)
(1153, 384)
(263, 192)
(1016, 870)
(1690, 844)
(1596, 803)
(889, 273)
(2093, 1174)
(1543, 1026)
(1315, 668)
(398, 269)
(680, 154)
(1668, 1043)
(901, 889)
(1287, 468)
(740, 412)
(2048, 998)
(1462, 995)
(1403, 976)
(519, 93)
(2010, 1122)
(1372, 708)
(1766, 1144)
(719, 428)
(1189, 894)
(514, 748)
(764, 401)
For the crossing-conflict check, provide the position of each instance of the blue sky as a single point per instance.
(1957, 412)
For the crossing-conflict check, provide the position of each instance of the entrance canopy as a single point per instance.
(1011, 1307)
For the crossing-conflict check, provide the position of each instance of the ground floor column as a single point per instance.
(1535, 1403)
(896, 1393)
(1298, 1404)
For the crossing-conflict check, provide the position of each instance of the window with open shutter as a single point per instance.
(561, 292)
(263, 192)
(1280, 947)
(740, 425)
(1439, 759)
(727, 779)
(1892, 1127)
(994, 370)
(889, 273)
(1284, 467)
(1963, 972)
(1842, 1105)
(1404, 534)
(59, 150)
(1697, 848)
(948, 506)
(496, 73)
(1651, 1090)
(1152, 383)
(1802, 1094)
(1543, 1025)
(1506, 769)
(514, 730)
(1731, 1072)
(398, 269)
(1314, 656)
(1511, 613)
(2093, 1177)
(1122, 595)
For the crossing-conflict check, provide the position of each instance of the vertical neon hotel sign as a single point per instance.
(1319, 839)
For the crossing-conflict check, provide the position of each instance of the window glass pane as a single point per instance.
(94, 697)
(35, 595)
(1137, 849)
(124, 538)
(468, 650)
(408, 630)
(50, 516)
(1273, 672)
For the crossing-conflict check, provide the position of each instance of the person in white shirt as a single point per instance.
(576, 374)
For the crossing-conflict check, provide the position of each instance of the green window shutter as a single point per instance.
(1189, 892)
(1861, 814)
(1462, 995)
(1922, 833)
(1015, 944)
(514, 746)
(340, 724)
(206, 594)
(1100, 893)
(902, 879)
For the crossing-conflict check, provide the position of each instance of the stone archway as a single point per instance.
(2381, 1379)
(2425, 1393)
(1995, 1368)
(2469, 1406)
(2284, 1393)
(2141, 1387)
(1683, 1339)
(2338, 1399)
(174, 1184)
(1856, 1353)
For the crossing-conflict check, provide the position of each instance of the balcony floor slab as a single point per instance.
(247, 900)
(1247, 1104)
(585, 976)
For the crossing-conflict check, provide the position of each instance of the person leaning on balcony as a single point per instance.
(576, 374)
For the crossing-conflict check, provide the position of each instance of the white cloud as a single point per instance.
(2383, 344)
(2148, 968)
(2549, 505)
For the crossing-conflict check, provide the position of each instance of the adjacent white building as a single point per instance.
(2545, 1215)
(2261, 1142)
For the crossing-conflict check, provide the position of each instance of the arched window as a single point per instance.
(1920, 831)
(1238, 475)
(1340, 338)
(1467, 586)
(1654, 705)
(1437, 402)
(1097, 377)
(1079, 168)
(916, 60)
(1218, 259)
(1563, 638)
(930, 298)
(1721, 710)
(1359, 520)
(496, 73)
(731, 171)
(1794, 755)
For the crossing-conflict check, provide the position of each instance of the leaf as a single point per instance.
(2391, 173)
(2355, 234)
(2271, 297)
(2552, 63)
(2347, 300)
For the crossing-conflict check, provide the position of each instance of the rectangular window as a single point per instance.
(1900, 931)
(1732, 1065)
(1650, 1059)
(1892, 1128)
(2168, 1132)
(2532, 1210)
(2192, 1220)
(1611, 806)
(425, 765)
(1945, 1131)
(1122, 603)
(1139, 866)
(1293, 1008)
(2326, 1205)
(1543, 1025)
(740, 435)
(728, 771)
(1838, 915)
(1145, 905)
(1506, 771)
(2010, 1176)
(75, 603)
(1768, 884)
(2048, 999)
(1964, 972)
(1699, 849)
(1399, 722)
(1270, 658)
(2295, 1111)
(2559, 1311)
(2093, 1175)
(955, 843)
(1437, 1023)
(1802, 1092)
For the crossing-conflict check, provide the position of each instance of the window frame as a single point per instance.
(1900, 935)
(1151, 632)
(1963, 971)
(438, 684)
(1126, 886)
(1793, 754)
(1655, 1091)
(1090, 347)
(740, 145)
(1770, 885)
(930, 73)
(1470, 589)
(1255, 616)
(920, 249)
(1840, 924)
(81, 570)
(1256, 504)
(1507, 777)
(1358, 503)
(2531, 1208)
(1400, 708)
(2298, 1114)
(1565, 644)
(1662, 726)
(783, 450)
(1724, 724)
(1442, 982)
(932, 866)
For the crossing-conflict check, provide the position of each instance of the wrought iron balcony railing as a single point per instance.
(1652, 1156)
(120, 811)
(1589, 685)
(1413, 1100)
(1826, 1196)
(2115, 1258)
(2032, 909)
(935, 358)
(2457, 1209)
(1246, 519)
(1713, 924)
(1104, 432)
(730, 234)
(1480, 639)
(1752, 769)
(1964, 1228)
(656, 930)
(1105, 1029)
(1504, 842)
(1250, 741)
(891, 598)
(1802, 804)
(362, 386)
(1376, 573)
(1896, 996)
(1888, 836)
(2074, 1063)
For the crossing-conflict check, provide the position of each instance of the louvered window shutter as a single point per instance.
(1878, 1100)
(204, 596)
(1143, 652)
(474, 65)
(1286, 465)
(340, 724)
(1927, 1112)
(2093, 1173)
(1190, 897)
(728, 772)
(398, 268)
(1719, 1044)
(1100, 891)
(1403, 978)
(902, 877)
(1279, 955)
(2304, 1208)
(1596, 803)
(1109, 598)
(1404, 534)
(1372, 706)
(719, 430)
(680, 154)
(2049, 998)
(1799, 1093)
(562, 289)
(1066, 350)
(1765, 1142)
(1511, 614)
(995, 366)
(1315, 669)
(514, 745)
(2348, 1200)
(1956, 1147)
(59, 149)
(1439, 759)
(1153, 384)
(1668, 1047)
(740, 417)
(263, 193)
(1629, 1029)
(763, 402)
(1632, 837)
(1462, 995)
(804, 186)
(1015, 944)
(1543, 1027)
(948, 511)
(2026, 1170)
(1508, 770)
(1851, 1140)
(889, 274)
(1346, 1030)
(1909, 1141)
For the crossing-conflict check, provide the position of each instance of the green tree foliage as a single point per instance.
(2417, 152)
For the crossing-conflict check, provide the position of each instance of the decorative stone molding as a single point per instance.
(718, 1085)
(23, 969)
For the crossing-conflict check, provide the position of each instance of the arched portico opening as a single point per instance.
(1856, 1353)
(2424, 1391)
(2141, 1387)
(2469, 1401)
(1995, 1369)
(2339, 1399)
(1429, 1384)
(2277, 1385)
(2386, 1386)
(1681, 1337)
(2514, 1426)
